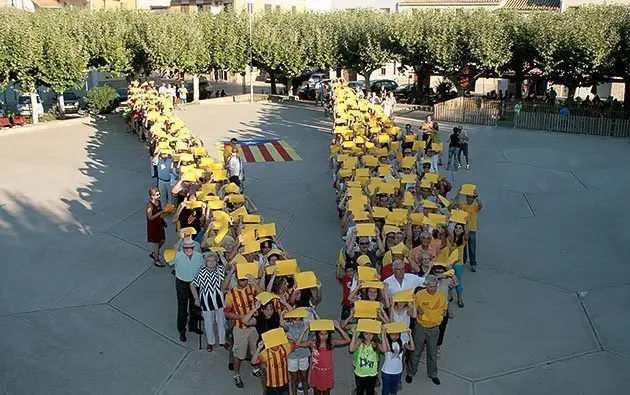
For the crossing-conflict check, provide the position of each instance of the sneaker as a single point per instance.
(408, 379)
(467, 168)
(209, 347)
(459, 165)
(256, 372)
(473, 268)
(238, 381)
(436, 381)
(300, 387)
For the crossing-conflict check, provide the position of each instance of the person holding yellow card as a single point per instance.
(446, 281)
(322, 370)
(393, 364)
(431, 306)
(366, 348)
(472, 205)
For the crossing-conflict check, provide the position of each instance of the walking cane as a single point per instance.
(199, 326)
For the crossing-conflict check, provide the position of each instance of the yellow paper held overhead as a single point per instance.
(369, 326)
(298, 312)
(275, 337)
(266, 297)
(306, 280)
(396, 327)
(367, 273)
(321, 325)
(245, 269)
(403, 296)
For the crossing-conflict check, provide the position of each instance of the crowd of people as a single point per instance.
(404, 245)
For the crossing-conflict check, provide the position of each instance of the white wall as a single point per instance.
(147, 4)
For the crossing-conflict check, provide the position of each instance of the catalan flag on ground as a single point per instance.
(263, 150)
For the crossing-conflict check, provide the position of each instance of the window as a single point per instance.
(383, 71)
(267, 7)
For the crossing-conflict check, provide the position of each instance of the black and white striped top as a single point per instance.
(209, 284)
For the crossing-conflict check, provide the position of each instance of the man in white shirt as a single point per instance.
(401, 281)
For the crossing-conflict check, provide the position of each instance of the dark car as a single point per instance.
(71, 102)
(406, 94)
(355, 84)
(389, 85)
(306, 94)
(123, 95)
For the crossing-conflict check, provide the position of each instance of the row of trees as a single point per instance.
(581, 47)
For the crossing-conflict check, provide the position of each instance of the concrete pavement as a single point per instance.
(82, 309)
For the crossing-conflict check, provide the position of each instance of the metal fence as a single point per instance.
(600, 122)
(613, 127)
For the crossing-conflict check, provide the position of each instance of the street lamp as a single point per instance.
(250, 11)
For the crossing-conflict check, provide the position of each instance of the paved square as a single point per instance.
(83, 310)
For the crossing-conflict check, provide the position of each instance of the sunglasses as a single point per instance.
(364, 244)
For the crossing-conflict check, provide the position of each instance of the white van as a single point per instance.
(24, 104)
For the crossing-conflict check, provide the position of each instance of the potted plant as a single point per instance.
(17, 119)
(4, 120)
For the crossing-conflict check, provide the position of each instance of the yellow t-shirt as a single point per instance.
(434, 307)
(473, 211)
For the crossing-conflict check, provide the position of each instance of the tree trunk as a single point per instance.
(60, 103)
(571, 94)
(34, 114)
(519, 77)
(196, 87)
(367, 74)
(272, 76)
(289, 86)
(457, 83)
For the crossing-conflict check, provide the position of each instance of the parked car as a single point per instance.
(355, 84)
(123, 95)
(316, 77)
(24, 104)
(71, 102)
(305, 94)
(389, 85)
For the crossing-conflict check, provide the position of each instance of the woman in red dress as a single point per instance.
(155, 226)
(322, 372)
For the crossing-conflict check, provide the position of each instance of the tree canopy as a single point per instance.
(580, 47)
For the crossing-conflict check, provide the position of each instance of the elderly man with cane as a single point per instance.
(187, 264)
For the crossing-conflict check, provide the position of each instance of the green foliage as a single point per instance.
(101, 99)
(55, 48)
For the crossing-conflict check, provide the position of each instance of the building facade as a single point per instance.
(216, 6)
(491, 5)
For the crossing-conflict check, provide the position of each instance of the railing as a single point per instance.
(468, 110)
(613, 127)
(533, 116)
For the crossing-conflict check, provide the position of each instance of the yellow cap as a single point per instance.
(236, 198)
(363, 260)
(366, 230)
(298, 312)
(193, 204)
(252, 219)
(417, 218)
(287, 267)
(430, 177)
(403, 296)
(438, 219)
(408, 179)
(169, 255)
(232, 188)
(379, 212)
(398, 249)
(366, 309)
(244, 269)
(266, 297)
(267, 230)
(215, 204)
(306, 280)
(468, 189)
(321, 325)
(396, 327)
(429, 204)
(459, 216)
(367, 273)
(275, 337)
(189, 231)
(251, 247)
(372, 284)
